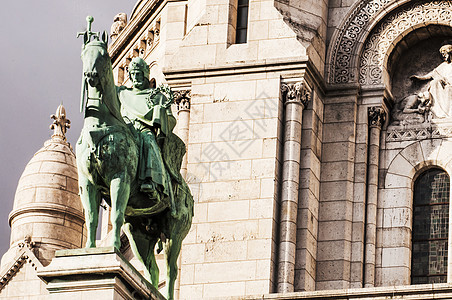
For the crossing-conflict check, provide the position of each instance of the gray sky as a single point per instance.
(40, 68)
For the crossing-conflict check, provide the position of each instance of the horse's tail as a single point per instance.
(184, 201)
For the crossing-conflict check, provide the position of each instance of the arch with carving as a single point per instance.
(376, 17)
(391, 30)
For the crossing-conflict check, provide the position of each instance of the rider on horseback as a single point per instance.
(149, 111)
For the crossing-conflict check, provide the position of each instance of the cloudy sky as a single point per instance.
(40, 68)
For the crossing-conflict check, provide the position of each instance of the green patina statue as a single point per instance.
(128, 155)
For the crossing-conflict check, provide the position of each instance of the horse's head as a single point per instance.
(96, 63)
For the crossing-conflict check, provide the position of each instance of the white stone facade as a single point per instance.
(316, 199)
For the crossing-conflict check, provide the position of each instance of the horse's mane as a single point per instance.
(109, 94)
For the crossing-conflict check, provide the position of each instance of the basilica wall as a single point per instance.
(348, 65)
(395, 136)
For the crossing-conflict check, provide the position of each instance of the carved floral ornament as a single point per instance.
(182, 99)
(297, 92)
(377, 116)
(344, 53)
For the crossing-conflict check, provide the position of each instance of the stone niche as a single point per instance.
(417, 54)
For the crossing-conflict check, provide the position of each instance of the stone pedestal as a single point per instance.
(97, 273)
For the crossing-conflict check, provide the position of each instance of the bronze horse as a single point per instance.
(107, 160)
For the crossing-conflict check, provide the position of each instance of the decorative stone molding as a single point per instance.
(345, 46)
(16, 266)
(397, 24)
(377, 116)
(344, 54)
(402, 134)
(182, 98)
(24, 256)
(27, 242)
(152, 35)
(298, 92)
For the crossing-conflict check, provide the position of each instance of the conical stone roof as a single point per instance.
(47, 207)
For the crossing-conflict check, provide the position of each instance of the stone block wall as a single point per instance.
(232, 165)
(269, 37)
(336, 193)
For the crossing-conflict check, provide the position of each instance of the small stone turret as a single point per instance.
(47, 209)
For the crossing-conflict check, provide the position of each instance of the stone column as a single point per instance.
(182, 99)
(295, 97)
(377, 117)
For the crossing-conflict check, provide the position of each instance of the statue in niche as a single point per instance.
(440, 84)
(412, 109)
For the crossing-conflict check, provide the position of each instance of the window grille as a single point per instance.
(430, 227)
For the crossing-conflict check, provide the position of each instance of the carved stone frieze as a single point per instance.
(344, 47)
(372, 60)
(182, 99)
(377, 116)
(298, 92)
(403, 133)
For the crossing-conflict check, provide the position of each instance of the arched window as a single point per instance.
(430, 227)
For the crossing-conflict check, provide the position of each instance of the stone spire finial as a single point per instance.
(60, 123)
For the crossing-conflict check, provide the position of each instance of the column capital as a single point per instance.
(296, 92)
(376, 116)
(182, 98)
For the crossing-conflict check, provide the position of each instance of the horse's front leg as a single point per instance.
(119, 193)
(90, 197)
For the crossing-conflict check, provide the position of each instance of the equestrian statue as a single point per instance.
(128, 155)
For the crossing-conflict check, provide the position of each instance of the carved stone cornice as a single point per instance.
(377, 116)
(297, 92)
(182, 98)
(25, 255)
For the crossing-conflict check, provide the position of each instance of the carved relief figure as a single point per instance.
(412, 109)
(119, 22)
(439, 86)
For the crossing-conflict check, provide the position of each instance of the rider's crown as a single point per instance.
(138, 64)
